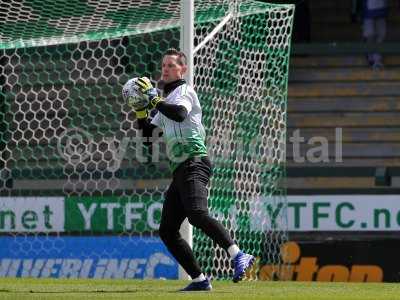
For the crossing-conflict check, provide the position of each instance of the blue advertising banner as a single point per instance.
(86, 257)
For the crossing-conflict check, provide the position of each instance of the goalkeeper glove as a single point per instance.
(142, 114)
(133, 96)
(147, 89)
(138, 106)
(137, 103)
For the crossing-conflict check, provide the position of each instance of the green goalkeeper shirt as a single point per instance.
(187, 138)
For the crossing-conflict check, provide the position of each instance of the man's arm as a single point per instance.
(177, 113)
(145, 125)
(174, 112)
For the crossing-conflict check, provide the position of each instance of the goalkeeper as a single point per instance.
(179, 117)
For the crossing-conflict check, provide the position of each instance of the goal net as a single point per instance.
(80, 192)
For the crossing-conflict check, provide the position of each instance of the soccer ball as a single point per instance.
(133, 96)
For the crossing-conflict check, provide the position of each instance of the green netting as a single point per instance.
(65, 131)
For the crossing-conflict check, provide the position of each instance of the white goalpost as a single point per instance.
(186, 46)
(187, 35)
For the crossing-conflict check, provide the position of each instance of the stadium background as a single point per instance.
(332, 86)
(332, 93)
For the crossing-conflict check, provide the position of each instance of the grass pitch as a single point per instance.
(87, 289)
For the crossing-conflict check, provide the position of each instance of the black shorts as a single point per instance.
(188, 191)
(190, 181)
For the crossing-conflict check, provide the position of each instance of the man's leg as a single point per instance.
(380, 29)
(172, 217)
(192, 181)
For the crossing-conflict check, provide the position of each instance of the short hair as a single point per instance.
(181, 56)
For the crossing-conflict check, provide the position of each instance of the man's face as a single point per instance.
(171, 70)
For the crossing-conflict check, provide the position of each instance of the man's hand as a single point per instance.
(142, 114)
(137, 103)
(134, 98)
(147, 89)
(140, 111)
